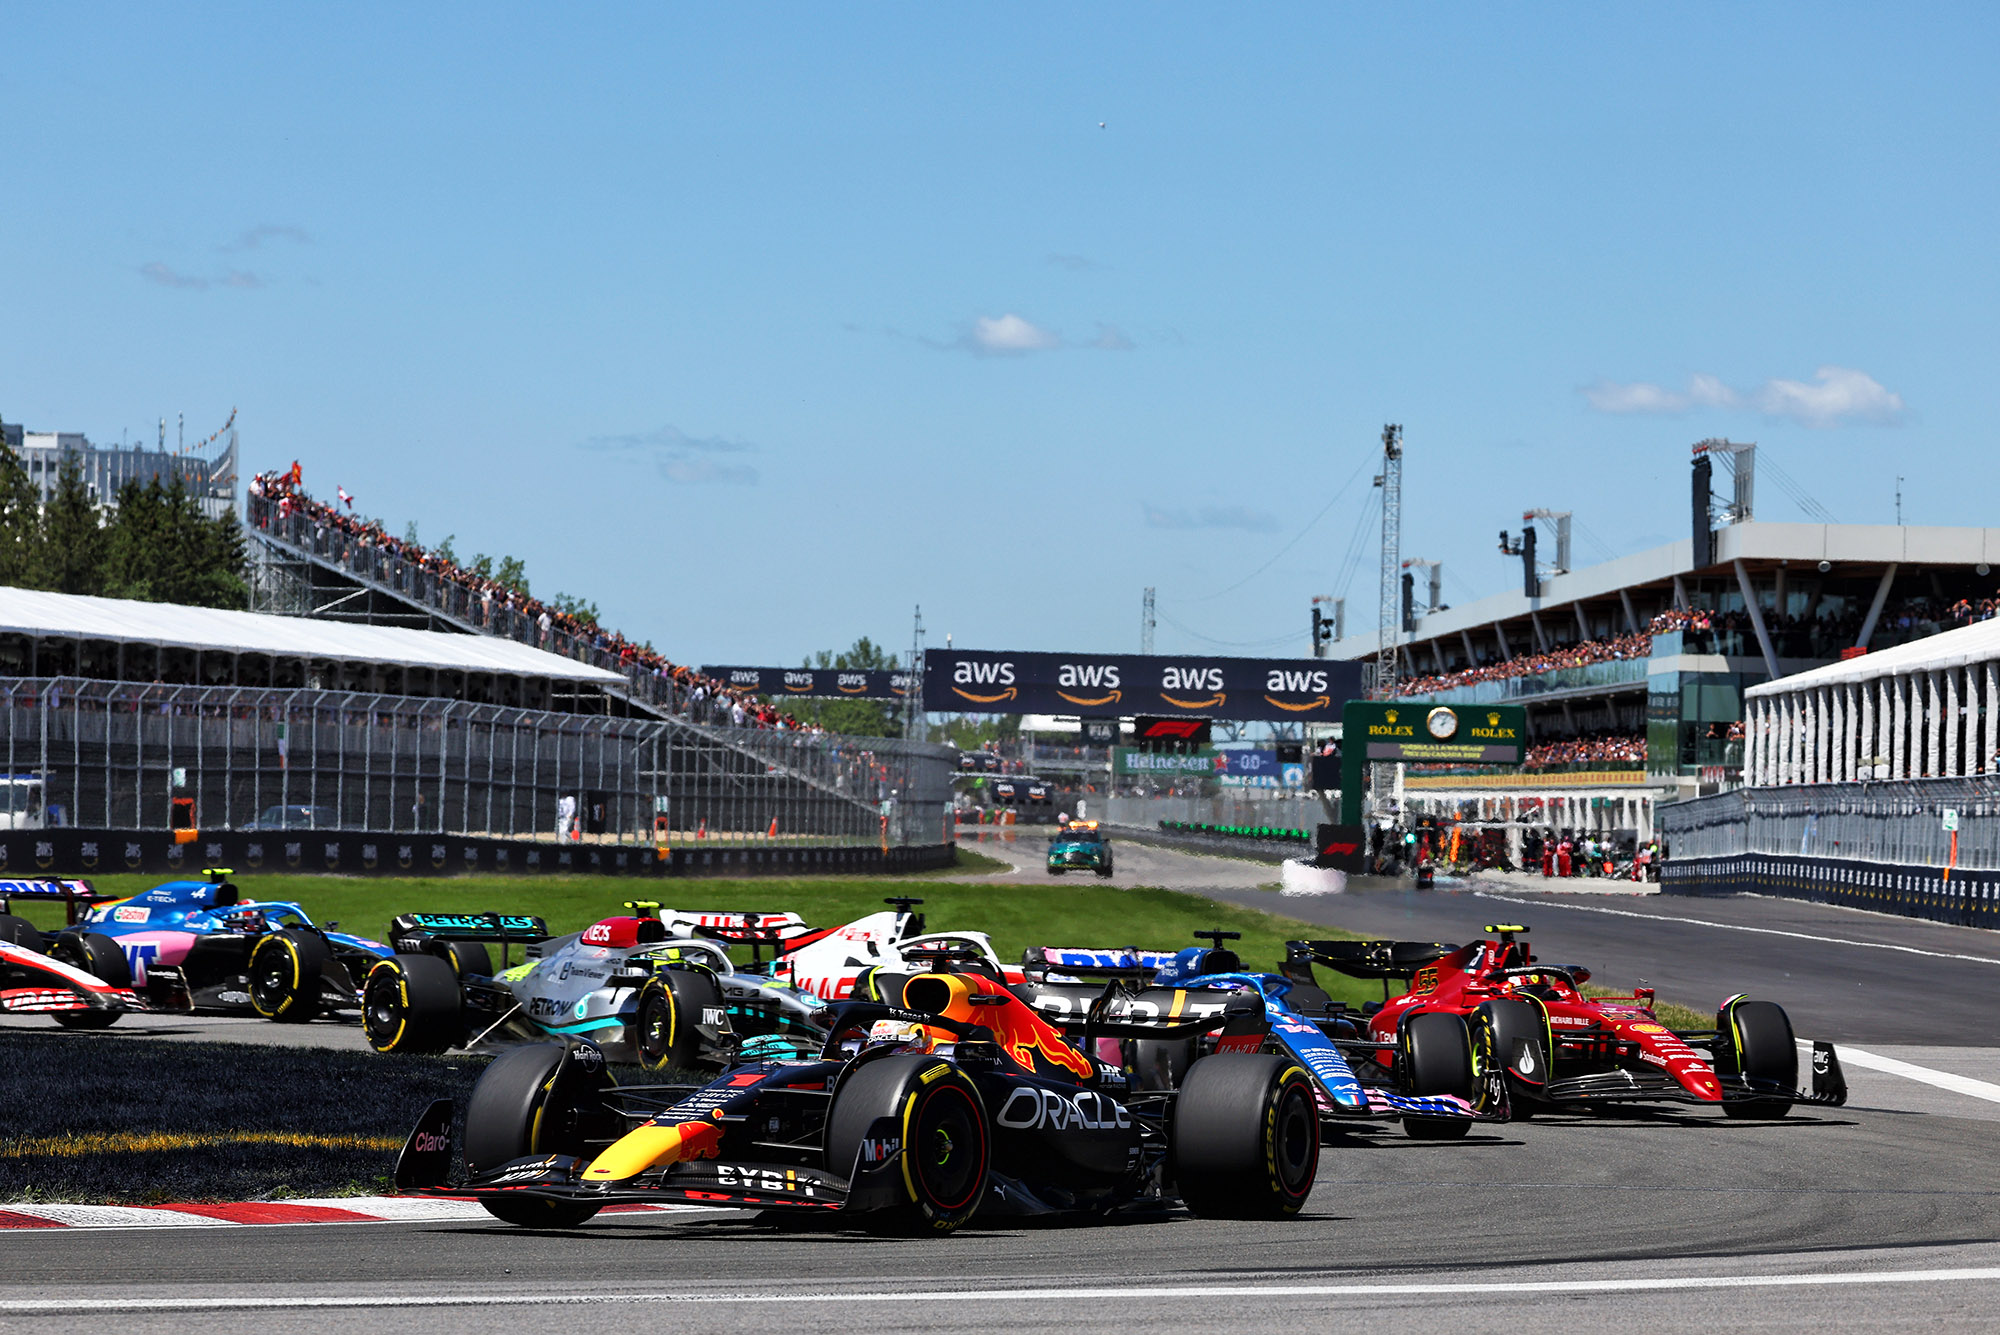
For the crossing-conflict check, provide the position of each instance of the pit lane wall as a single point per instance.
(81, 852)
(1879, 846)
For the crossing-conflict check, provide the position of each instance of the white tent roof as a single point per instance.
(1976, 643)
(33, 612)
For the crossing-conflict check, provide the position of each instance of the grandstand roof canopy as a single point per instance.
(74, 616)
(1976, 643)
(1851, 549)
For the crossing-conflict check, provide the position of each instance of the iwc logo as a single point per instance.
(1442, 724)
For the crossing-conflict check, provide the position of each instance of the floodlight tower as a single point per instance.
(1390, 621)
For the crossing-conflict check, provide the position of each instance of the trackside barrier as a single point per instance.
(70, 852)
(1967, 898)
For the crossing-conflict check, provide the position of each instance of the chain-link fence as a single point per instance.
(1900, 823)
(125, 756)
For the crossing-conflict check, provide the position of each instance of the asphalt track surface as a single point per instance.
(1880, 1215)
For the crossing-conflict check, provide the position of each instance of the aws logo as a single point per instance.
(1297, 682)
(1192, 680)
(852, 682)
(997, 677)
(1098, 677)
(798, 681)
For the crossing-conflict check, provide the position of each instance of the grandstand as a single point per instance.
(145, 716)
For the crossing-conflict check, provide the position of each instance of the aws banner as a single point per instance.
(850, 682)
(980, 681)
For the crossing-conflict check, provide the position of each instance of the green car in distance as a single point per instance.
(1079, 847)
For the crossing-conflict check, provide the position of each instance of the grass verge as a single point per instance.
(1015, 914)
(135, 1123)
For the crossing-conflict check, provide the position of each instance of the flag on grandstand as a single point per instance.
(345, 499)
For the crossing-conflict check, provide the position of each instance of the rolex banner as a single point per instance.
(1414, 731)
(975, 681)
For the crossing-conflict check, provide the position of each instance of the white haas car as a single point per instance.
(656, 986)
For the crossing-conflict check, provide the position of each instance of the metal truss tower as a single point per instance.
(1387, 666)
(1146, 623)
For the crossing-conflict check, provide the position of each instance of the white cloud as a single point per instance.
(1213, 516)
(262, 232)
(1610, 397)
(1110, 338)
(683, 458)
(165, 277)
(1838, 394)
(1009, 336)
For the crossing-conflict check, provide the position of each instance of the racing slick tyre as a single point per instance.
(469, 959)
(20, 932)
(86, 1019)
(1755, 1043)
(1103, 873)
(527, 1103)
(1057, 871)
(941, 1122)
(666, 1032)
(95, 954)
(411, 1003)
(1501, 1029)
(1160, 1063)
(285, 970)
(1436, 1058)
(1245, 1137)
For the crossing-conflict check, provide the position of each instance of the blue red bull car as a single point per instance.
(1426, 1077)
(957, 1100)
(199, 945)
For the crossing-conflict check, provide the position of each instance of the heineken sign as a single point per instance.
(1429, 734)
(1137, 760)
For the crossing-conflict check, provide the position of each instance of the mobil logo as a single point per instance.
(1104, 675)
(1300, 681)
(1180, 677)
(1000, 673)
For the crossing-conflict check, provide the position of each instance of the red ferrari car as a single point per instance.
(1559, 1048)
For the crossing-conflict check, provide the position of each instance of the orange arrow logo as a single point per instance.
(1007, 694)
(1320, 702)
(1194, 704)
(798, 690)
(1101, 700)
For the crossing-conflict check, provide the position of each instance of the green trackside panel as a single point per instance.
(1378, 730)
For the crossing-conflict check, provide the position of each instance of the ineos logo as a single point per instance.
(1029, 1109)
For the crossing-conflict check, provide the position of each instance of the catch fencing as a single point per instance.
(1899, 822)
(115, 755)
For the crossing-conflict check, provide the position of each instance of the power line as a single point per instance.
(1229, 644)
(1296, 538)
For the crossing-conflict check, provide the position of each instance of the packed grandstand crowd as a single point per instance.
(1596, 749)
(278, 498)
(1816, 637)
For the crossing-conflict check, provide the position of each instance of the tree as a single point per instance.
(20, 519)
(71, 559)
(857, 718)
(585, 612)
(160, 547)
(510, 573)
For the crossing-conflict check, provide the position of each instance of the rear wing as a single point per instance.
(1366, 959)
(499, 928)
(745, 926)
(1080, 962)
(74, 894)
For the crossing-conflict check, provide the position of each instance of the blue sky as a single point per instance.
(760, 325)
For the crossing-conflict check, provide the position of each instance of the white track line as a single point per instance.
(1737, 927)
(160, 1302)
(1957, 1084)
